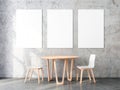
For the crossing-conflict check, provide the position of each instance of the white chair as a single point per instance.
(89, 69)
(34, 67)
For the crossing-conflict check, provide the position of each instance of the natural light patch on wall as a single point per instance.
(29, 28)
(22, 60)
(59, 28)
(90, 28)
(18, 63)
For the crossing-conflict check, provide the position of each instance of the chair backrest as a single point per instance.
(34, 61)
(92, 61)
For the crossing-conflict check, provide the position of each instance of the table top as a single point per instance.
(60, 57)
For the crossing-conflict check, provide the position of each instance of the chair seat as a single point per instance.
(83, 67)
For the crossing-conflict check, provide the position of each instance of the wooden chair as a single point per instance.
(88, 68)
(34, 67)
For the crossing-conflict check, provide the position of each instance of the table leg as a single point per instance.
(52, 69)
(72, 63)
(67, 71)
(69, 74)
(55, 68)
(48, 70)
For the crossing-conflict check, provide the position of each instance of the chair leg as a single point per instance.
(93, 76)
(38, 76)
(26, 75)
(81, 74)
(77, 74)
(89, 75)
(42, 74)
(31, 72)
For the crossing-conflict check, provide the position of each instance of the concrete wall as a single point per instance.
(13, 61)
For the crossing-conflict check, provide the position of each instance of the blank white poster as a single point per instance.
(28, 28)
(59, 28)
(90, 28)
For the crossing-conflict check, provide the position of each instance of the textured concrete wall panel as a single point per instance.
(107, 60)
